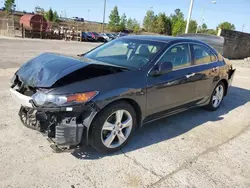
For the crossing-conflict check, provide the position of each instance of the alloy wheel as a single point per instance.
(218, 96)
(116, 129)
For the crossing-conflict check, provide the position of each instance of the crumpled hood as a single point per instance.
(45, 69)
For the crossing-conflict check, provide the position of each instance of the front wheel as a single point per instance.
(113, 127)
(216, 97)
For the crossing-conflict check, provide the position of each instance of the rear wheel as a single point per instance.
(113, 127)
(216, 97)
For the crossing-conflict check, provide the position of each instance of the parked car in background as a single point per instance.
(114, 35)
(107, 36)
(103, 96)
(78, 19)
(97, 37)
(120, 34)
(87, 37)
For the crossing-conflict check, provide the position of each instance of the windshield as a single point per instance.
(129, 53)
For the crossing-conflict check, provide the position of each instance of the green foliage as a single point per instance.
(55, 17)
(202, 28)
(136, 26)
(178, 27)
(39, 10)
(123, 22)
(226, 25)
(178, 23)
(192, 26)
(130, 24)
(114, 20)
(178, 15)
(133, 25)
(162, 24)
(149, 21)
(9, 5)
(49, 15)
(211, 32)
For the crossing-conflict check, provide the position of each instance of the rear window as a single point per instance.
(203, 55)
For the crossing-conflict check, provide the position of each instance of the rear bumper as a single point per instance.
(231, 74)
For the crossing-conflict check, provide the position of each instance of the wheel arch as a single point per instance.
(130, 101)
(225, 82)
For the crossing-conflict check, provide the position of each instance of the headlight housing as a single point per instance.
(41, 98)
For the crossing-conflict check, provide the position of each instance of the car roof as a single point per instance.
(163, 38)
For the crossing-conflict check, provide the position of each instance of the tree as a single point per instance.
(123, 22)
(39, 10)
(211, 32)
(178, 15)
(162, 24)
(136, 26)
(133, 25)
(49, 15)
(177, 22)
(55, 17)
(192, 26)
(202, 28)
(9, 5)
(148, 22)
(226, 25)
(130, 24)
(114, 20)
(178, 27)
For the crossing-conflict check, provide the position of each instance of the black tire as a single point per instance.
(98, 122)
(210, 106)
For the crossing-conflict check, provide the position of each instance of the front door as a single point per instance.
(175, 89)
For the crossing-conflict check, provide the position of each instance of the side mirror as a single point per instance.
(162, 68)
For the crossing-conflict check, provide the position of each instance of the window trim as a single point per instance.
(193, 65)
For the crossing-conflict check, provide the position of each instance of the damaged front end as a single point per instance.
(66, 125)
(65, 129)
(65, 117)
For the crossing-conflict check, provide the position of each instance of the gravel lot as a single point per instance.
(193, 149)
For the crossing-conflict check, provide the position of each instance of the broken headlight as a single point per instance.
(41, 98)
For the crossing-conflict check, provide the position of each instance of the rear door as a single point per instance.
(207, 68)
(175, 89)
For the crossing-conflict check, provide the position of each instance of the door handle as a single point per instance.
(190, 75)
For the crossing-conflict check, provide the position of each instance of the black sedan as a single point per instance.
(87, 37)
(103, 96)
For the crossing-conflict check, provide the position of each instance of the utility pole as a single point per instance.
(104, 15)
(243, 27)
(88, 14)
(189, 15)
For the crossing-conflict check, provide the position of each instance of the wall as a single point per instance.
(237, 44)
(7, 27)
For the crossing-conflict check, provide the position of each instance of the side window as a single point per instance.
(178, 55)
(202, 55)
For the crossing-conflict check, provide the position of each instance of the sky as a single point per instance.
(233, 11)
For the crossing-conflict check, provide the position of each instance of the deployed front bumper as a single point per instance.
(65, 126)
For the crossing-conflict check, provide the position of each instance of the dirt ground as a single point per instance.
(192, 149)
